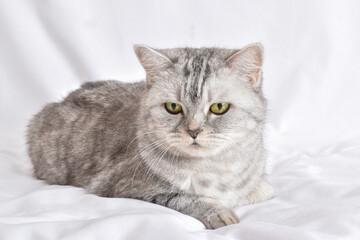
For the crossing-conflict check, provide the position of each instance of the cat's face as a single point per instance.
(198, 103)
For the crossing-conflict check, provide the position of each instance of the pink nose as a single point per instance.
(194, 133)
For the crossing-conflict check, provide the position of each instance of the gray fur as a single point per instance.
(117, 140)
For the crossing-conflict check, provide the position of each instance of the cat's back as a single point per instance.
(91, 100)
(74, 133)
(105, 94)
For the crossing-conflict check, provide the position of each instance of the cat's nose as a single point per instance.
(194, 133)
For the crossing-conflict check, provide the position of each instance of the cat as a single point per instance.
(189, 137)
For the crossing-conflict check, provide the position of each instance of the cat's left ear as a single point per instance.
(152, 60)
(248, 61)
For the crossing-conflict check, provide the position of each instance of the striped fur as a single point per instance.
(117, 140)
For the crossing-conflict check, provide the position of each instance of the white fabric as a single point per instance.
(48, 48)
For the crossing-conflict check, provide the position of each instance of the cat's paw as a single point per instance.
(262, 192)
(221, 218)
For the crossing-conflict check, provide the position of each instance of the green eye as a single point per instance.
(173, 108)
(219, 108)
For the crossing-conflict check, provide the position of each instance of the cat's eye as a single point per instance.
(173, 108)
(219, 108)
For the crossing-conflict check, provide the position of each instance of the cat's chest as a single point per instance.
(220, 182)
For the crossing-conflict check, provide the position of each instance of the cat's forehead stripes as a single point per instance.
(196, 71)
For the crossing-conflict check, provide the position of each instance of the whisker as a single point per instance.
(156, 145)
(137, 136)
(158, 160)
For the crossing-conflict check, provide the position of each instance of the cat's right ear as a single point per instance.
(152, 61)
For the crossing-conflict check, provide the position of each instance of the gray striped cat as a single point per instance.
(190, 137)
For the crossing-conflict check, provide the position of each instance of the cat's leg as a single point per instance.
(210, 215)
(262, 192)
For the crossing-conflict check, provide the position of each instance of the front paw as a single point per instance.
(220, 218)
(262, 192)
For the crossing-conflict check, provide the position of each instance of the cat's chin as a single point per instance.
(198, 151)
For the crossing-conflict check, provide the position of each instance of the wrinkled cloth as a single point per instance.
(311, 79)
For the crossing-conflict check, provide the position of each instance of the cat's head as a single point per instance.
(202, 101)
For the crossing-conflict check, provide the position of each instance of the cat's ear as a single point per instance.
(249, 61)
(152, 61)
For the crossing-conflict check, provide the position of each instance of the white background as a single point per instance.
(311, 79)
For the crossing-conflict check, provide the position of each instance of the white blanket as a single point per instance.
(311, 78)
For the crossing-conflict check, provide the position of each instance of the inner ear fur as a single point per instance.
(248, 60)
(152, 60)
